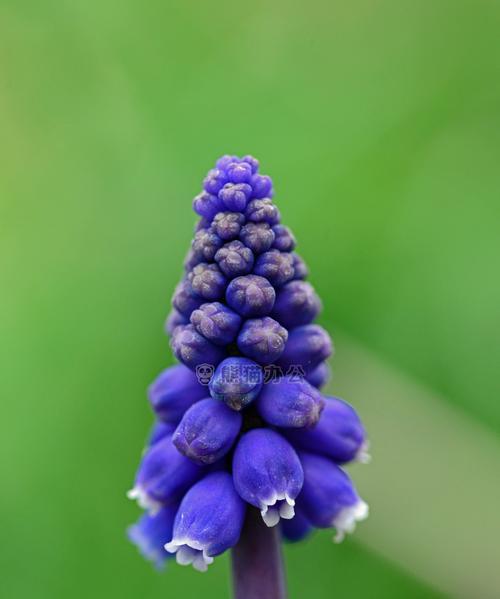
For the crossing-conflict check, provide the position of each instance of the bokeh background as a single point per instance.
(379, 122)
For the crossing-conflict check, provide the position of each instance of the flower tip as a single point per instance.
(346, 519)
(363, 455)
(186, 555)
(279, 506)
(144, 501)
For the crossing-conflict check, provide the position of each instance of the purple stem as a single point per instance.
(257, 561)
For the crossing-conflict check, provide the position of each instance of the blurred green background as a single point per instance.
(380, 125)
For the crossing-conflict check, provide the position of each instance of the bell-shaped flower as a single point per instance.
(339, 434)
(290, 402)
(208, 521)
(267, 474)
(328, 497)
(163, 476)
(207, 431)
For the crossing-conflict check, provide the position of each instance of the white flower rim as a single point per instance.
(272, 511)
(144, 501)
(363, 454)
(345, 520)
(189, 552)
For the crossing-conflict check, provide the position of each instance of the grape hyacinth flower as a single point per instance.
(245, 449)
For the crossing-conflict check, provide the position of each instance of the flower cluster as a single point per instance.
(241, 420)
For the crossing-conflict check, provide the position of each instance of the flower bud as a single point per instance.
(208, 522)
(307, 347)
(339, 434)
(319, 376)
(235, 196)
(214, 181)
(216, 322)
(207, 205)
(258, 237)
(184, 299)
(207, 431)
(163, 476)
(300, 268)
(267, 474)
(174, 320)
(174, 391)
(239, 172)
(251, 296)
(235, 259)
(224, 161)
(328, 496)
(275, 266)
(284, 240)
(262, 210)
(151, 533)
(207, 281)
(262, 186)
(262, 339)
(236, 382)
(192, 349)
(205, 245)
(228, 225)
(290, 402)
(252, 161)
(296, 304)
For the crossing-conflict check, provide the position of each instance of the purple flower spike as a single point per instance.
(328, 497)
(207, 205)
(151, 533)
(258, 237)
(173, 392)
(184, 299)
(297, 528)
(284, 241)
(300, 268)
(207, 281)
(216, 322)
(235, 196)
(163, 476)
(214, 181)
(205, 245)
(159, 431)
(339, 434)
(296, 304)
(275, 266)
(193, 350)
(319, 376)
(290, 403)
(235, 259)
(207, 431)
(267, 474)
(306, 347)
(251, 296)
(245, 400)
(208, 522)
(227, 225)
(239, 172)
(236, 382)
(174, 320)
(263, 211)
(262, 187)
(262, 339)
